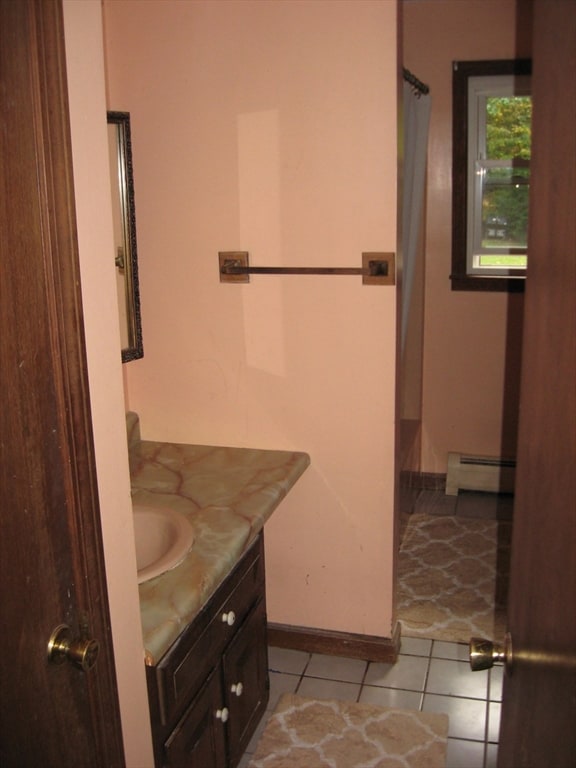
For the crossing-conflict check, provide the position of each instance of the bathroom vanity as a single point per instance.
(204, 621)
(209, 691)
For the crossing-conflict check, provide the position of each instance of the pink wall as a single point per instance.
(85, 67)
(271, 127)
(472, 340)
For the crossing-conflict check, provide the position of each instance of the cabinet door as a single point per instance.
(246, 682)
(198, 741)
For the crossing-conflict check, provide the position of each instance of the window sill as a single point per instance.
(494, 284)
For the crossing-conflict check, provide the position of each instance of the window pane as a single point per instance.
(505, 175)
(505, 191)
(508, 126)
(503, 260)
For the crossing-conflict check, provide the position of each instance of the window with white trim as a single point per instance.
(491, 174)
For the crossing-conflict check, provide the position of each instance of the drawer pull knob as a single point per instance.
(223, 714)
(229, 618)
(237, 688)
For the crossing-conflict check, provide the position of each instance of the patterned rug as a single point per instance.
(453, 577)
(308, 733)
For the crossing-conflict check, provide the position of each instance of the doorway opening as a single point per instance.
(453, 566)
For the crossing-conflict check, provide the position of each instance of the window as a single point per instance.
(492, 111)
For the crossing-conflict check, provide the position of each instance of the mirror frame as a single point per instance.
(129, 262)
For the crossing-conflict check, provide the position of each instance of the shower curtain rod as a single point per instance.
(414, 82)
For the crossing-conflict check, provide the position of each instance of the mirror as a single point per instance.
(125, 254)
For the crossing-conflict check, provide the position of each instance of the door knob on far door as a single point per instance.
(484, 654)
(82, 652)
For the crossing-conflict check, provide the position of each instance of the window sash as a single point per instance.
(480, 89)
(460, 277)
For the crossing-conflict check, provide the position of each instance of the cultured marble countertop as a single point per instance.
(227, 494)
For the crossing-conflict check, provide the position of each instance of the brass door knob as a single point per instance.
(82, 652)
(484, 654)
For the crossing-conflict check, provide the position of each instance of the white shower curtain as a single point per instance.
(416, 121)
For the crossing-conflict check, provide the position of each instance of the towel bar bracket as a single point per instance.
(377, 268)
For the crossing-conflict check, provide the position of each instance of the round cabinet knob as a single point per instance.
(222, 714)
(82, 652)
(229, 618)
(237, 688)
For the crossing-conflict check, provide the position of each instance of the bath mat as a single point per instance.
(311, 733)
(453, 577)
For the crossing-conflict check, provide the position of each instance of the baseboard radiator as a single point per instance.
(479, 473)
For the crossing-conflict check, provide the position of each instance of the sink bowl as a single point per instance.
(163, 539)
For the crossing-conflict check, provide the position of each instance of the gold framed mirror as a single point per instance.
(125, 251)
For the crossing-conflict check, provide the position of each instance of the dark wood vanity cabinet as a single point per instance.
(209, 691)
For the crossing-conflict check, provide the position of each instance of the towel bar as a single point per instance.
(377, 268)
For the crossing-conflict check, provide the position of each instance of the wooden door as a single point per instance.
(51, 563)
(538, 727)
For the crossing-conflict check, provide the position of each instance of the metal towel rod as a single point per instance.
(377, 268)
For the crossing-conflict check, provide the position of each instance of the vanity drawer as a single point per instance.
(182, 672)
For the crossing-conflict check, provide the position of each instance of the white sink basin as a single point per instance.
(163, 539)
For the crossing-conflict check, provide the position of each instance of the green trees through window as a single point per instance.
(506, 186)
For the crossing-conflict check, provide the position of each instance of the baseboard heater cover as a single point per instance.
(479, 473)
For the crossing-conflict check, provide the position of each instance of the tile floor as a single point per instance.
(430, 675)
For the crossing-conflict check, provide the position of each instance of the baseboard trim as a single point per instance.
(422, 481)
(332, 643)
